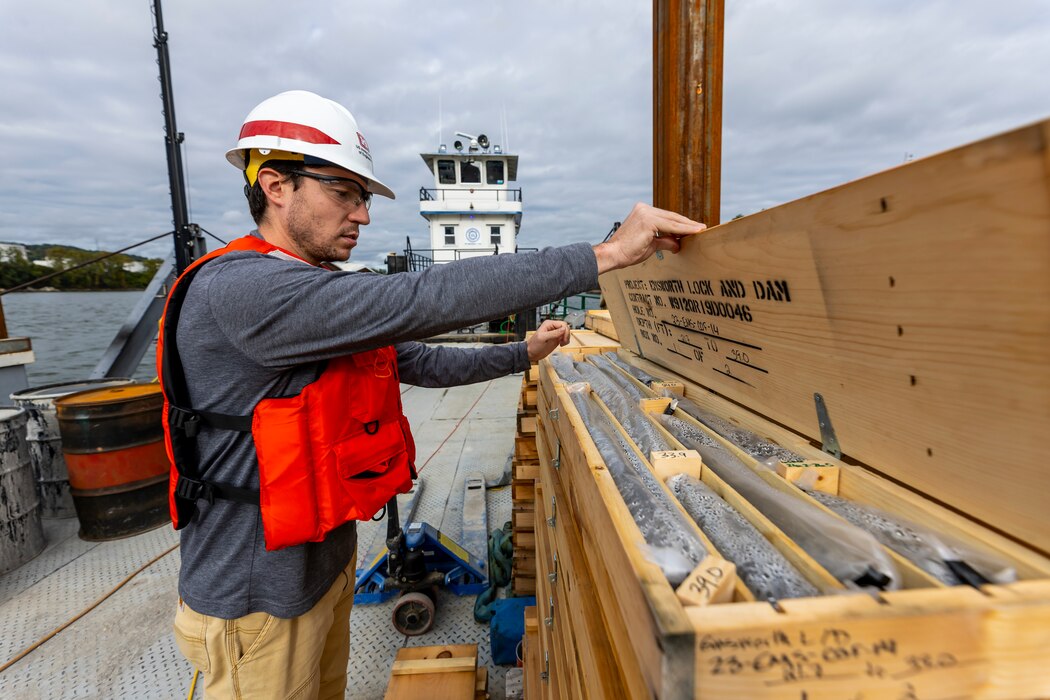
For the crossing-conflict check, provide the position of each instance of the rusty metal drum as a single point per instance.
(45, 442)
(113, 444)
(21, 532)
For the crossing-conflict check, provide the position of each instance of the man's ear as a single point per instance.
(272, 184)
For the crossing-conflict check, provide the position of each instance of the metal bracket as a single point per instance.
(553, 576)
(554, 512)
(139, 331)
(549, 620)
(827, 430)
(556, 462)
(545, 674)
(553, 414)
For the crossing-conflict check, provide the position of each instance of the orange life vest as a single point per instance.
(336, 452)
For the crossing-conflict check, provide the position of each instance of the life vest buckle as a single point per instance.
(372, 427)
(192, 491)
(188, 422)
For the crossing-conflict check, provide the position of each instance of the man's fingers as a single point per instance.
(685, 227)
(553, 332)
(551, 324)
(690, 229)
(674, 217)
(672, 223)
(670, 244)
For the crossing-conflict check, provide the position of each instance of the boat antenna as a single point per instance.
(189, 244)
(440, 119)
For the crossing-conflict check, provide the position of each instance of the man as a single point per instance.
(281, 378)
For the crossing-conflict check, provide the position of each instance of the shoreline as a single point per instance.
(46, 290)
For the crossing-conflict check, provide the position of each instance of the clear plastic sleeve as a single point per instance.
(935, 553)
(749, 442)
(620, 381)
(850, 554)
(564, 367)
(762, 568)
(662, 524)
(640, 375)
(624, 406)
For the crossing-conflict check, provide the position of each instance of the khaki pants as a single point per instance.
(262, 656)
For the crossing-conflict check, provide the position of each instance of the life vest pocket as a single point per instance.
(365, 455)
(373, 468)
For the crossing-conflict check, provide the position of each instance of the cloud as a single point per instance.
(815, 93)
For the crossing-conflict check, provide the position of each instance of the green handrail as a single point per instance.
(560, 309)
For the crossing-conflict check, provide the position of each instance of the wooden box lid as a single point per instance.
(915, 302)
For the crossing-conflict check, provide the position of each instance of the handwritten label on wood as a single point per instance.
(667, 463)
(673, 387)
(932, 657)
(710, 582)
(815, 476)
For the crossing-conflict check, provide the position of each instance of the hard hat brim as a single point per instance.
(236, 158)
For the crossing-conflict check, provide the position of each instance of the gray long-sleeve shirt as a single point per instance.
(255, 326)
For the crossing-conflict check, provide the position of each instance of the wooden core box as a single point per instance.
(916, 304)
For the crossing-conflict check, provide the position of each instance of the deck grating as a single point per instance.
(124, 647)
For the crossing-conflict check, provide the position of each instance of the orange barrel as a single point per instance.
(21, 533)
(113, 443)
(45, 444)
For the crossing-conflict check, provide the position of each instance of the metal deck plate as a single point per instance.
(482, 443)
(124, 648)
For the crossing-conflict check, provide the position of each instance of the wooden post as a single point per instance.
(687, 107)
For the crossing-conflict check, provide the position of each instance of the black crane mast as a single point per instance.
(189, 244)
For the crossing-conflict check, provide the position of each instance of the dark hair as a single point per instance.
(257, 201)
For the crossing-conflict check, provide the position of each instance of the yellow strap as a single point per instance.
(258, 156)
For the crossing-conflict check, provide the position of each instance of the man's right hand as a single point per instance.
(645, 231)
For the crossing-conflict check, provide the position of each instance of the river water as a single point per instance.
(70, 331)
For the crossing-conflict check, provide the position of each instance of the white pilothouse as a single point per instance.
(472, 209)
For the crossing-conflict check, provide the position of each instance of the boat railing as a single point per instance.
(455, 194)
(419, 259)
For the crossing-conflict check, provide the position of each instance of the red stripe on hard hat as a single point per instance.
(286, 130)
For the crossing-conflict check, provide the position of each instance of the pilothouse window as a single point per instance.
(494, 172)
(469, 173)
(447, 172)
(450, 235)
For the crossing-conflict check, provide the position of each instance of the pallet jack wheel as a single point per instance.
(413, 614)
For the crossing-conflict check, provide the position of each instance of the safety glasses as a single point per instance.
(347, 192)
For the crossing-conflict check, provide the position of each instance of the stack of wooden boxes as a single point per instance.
(525, 469)
(600, 321)
(904, 318)
(525, 466)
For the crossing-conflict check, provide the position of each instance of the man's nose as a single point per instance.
(360, 216)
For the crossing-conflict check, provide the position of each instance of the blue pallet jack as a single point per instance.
(418, 559)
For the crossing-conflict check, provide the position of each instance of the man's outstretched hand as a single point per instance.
(547, 337)
(645, 231)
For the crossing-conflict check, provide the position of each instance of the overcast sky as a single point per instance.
(816, 93)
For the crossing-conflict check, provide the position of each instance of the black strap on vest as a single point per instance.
(185, 422)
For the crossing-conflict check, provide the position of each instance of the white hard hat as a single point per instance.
(300, 122)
